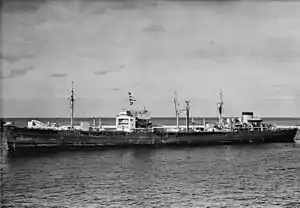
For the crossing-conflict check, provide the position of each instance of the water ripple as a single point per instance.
(225, 176)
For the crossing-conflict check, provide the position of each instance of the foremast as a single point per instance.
(72, 99)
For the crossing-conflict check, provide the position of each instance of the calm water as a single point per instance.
(266, 175)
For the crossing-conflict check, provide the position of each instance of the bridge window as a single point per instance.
(123, 121)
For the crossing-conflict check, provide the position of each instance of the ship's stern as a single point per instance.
(10, 133)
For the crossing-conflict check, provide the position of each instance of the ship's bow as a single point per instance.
(288, 135)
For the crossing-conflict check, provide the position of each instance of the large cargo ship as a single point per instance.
(136, 128)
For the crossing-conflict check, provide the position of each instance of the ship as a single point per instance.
(135, 128)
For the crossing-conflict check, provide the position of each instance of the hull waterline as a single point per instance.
(22, 138)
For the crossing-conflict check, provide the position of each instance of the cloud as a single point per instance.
(277, 85)
(17, 6)
(12, 73)
(281, 49)
(156, 44)
(115, 89)
(280, 98)
(266, 49)
(202, 53)
(15, 58)
(102, 72)
(59, 75)
(154, 28)
(20, 72)
(112, 70)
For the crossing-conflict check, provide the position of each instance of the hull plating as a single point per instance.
(19, 138)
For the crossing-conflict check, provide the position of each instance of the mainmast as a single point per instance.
(71, 98)
(220, 107)
(187, 110)
(177, 111)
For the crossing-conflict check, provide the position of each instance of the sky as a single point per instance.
(248, 49)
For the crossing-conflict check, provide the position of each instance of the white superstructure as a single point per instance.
(125, 121)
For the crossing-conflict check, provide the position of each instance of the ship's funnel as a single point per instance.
(246, 116)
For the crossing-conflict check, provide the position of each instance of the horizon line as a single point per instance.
(182, 117)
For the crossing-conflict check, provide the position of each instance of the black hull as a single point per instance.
(23, 138)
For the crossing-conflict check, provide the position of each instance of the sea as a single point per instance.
(253, 175)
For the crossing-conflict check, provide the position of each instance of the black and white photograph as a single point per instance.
(150, 103)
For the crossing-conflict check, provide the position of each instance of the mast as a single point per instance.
(71, 98)
(176, 110)
(187, 110)
(94, 121)
(220, 107)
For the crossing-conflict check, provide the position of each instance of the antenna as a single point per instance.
(71, 98)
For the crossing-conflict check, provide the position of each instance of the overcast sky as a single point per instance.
(249, 49)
